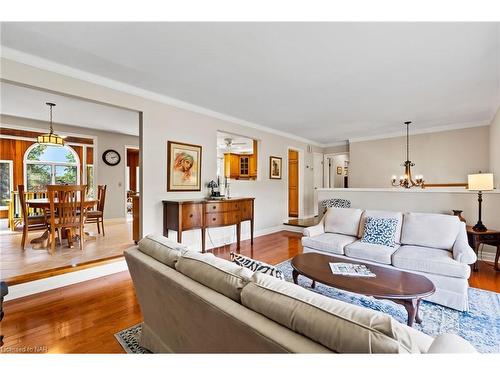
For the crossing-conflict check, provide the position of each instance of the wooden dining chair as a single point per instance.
(67, 211)
(97, 216)
(30, 223)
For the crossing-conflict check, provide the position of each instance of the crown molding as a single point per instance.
(338, 143)
(41, 63)
(427, 130)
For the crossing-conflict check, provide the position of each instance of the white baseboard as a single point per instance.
(54, 282)
(487, 256)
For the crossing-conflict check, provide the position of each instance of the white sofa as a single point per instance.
(433, 245)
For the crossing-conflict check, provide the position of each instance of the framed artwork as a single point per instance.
(275, 167)
(183, 167)
(339, 170)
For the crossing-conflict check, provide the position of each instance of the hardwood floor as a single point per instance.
(303, 223)
(19, 265)
(83, 318)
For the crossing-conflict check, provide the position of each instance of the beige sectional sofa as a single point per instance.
(198, 303)
(433, 245)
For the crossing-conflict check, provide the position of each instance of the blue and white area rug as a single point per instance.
(480, 325)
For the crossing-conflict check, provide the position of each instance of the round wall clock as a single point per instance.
(111, 157)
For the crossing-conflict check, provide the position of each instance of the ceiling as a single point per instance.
(227, 142)
(30, 103)
(326, 82)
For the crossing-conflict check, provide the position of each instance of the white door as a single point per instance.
(317, 177)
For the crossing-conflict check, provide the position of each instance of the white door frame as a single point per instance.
(301, 180)
(326, 175)
(317, 156)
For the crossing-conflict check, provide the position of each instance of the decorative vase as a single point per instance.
(459, 214)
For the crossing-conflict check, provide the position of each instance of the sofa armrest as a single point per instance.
(315, 230)
(462, 252)
(450, 343)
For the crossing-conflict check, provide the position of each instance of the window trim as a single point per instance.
(52, 164)
(11, 178)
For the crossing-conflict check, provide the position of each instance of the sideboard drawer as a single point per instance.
(215, 207)
(191, 216)
(214, 220)
(234, 206)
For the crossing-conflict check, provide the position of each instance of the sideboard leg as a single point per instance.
(251, 232)
(238, 236)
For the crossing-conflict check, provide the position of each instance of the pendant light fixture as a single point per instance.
(50, 138)
(406, 181)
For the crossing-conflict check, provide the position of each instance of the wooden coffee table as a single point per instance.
(402, 287)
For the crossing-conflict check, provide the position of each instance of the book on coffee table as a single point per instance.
(349, 269)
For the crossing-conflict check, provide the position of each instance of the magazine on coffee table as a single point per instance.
(349, 269)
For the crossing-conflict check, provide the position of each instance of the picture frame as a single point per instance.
(183, 166)
(339, 170)
(275, 167)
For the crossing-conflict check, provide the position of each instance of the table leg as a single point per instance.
(475, 267)
(418, 319)
(313, 284)
(42, 242)
(251, 232)
(411, 307)
(295, 276)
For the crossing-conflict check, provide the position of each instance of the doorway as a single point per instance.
(336, 171)
(293, 183)
(131, 178)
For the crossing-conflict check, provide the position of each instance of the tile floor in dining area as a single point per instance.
(16, 262)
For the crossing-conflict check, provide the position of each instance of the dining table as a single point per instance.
(44, 204)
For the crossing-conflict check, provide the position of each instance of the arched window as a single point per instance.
(50, 165)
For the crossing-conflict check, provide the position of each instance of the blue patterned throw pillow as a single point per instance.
(380, 231)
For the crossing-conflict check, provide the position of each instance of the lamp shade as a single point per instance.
(481, 181)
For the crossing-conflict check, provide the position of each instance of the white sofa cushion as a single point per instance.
(384, 215)
(343, 220)
(162, 249)
(430, 230)
(372, 252)
(429, 260)
(216, 273)
(329, 242)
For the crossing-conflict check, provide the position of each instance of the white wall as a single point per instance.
(442, 157)
(495, 148)
(113, 177)
(162, 122)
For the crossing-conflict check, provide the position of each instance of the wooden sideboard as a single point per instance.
(181, 215)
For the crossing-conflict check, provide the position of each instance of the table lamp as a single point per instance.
(480, 182)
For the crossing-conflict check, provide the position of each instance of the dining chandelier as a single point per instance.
(50, 138)
(406, 180)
